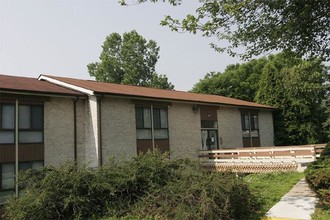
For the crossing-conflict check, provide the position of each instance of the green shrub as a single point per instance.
(199, 195)
(326, 152)
(325, 195)
(148, 186)
(63, 193)
(319, 178)
(317, 175)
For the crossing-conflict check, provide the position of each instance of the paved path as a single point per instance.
(298, 203)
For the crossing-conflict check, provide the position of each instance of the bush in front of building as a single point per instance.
(317, 175)
(199, 195)
(147, 185)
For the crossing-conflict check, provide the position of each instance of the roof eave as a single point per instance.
(40, 93)
(270, 108)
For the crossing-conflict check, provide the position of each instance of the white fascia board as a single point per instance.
(66, 85)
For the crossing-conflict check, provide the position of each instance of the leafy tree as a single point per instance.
(239, 81)
(298, 92)
(297, 88)
(260, 26)
(326, 124)
(129, 60)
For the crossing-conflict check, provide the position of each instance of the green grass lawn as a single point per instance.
(270, 187)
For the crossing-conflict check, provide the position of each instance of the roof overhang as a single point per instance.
(182, 101)
(35, 93)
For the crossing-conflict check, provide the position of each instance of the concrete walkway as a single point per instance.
(298, 203)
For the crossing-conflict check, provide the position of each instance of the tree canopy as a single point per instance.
(239, 81)
(297, 88)
(129, 60)
(301, 26)
(298, 91)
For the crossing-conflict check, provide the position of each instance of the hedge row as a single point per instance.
(317, 175)
(149, 185)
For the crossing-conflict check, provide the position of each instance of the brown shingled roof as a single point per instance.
(25, 84)
(137, 91)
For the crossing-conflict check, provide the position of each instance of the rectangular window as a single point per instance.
(144, 122)
(24, 118)
(250, 129)
(7, 124)
(8, 117)
(209, 124)
(8, 172)
(209, 127)
(250, 122)
(7, 176)
(30, 124)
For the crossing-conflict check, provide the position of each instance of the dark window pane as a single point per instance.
(7, 137)
(24, 117)
(147, 118)
(245, 122)
(254, 122)
(23, 166)
(157, 123)
(163, 118)
(139, 117)
(7, 176)
(209, 124)
(37, 117)
(8, 117)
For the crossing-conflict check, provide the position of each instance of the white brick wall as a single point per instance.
(230, 128)
(81, 130)
(119, 132)
(58, 131)
(184, 131)
(118, 129)
(266, 128)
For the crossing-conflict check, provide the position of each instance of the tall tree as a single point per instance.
(260, 26)
(239, 81)
(297, 88)
(129, 60)
(298, 92)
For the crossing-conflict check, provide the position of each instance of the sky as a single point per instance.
(60, 37)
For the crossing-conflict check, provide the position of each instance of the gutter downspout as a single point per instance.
(152, 128)
(250, 131)
(16, 149)
(99, 122)
(75, 129)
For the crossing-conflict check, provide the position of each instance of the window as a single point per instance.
(8, 172)
(7, 124)
(250, 125)
(151, 125)
(209, 127)
(30, 124)
(7, 176)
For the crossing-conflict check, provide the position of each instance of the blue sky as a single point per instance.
(60, 37)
